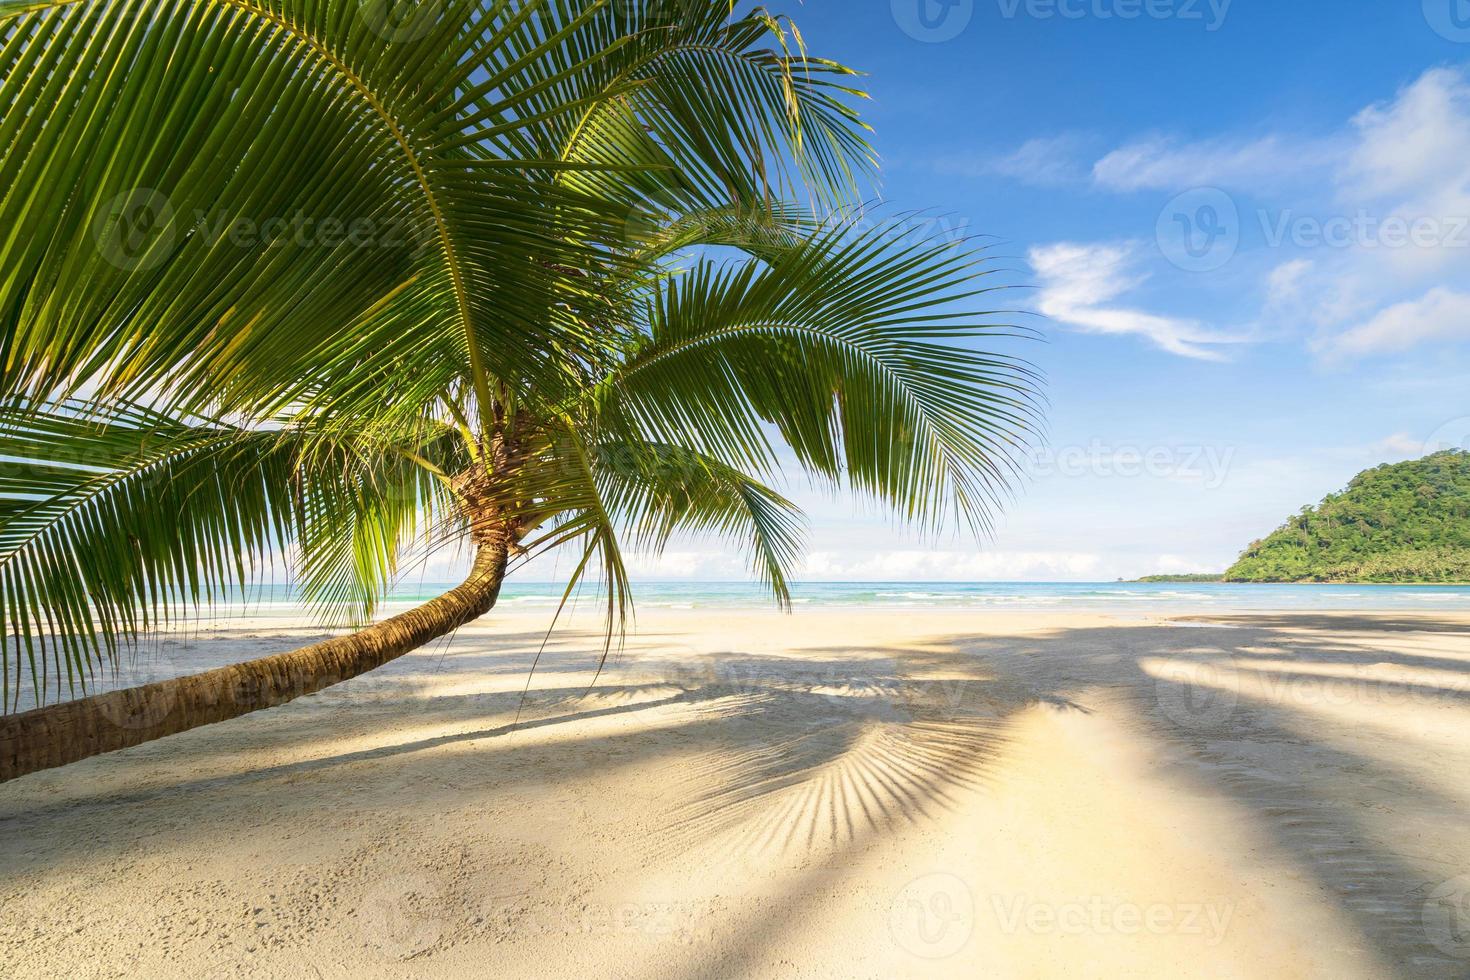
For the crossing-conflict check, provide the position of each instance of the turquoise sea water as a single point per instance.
(1036, 595)
(977, 595)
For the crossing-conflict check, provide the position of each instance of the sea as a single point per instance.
(1060, 596)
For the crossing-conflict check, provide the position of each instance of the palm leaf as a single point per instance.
(855, 345)
(658, 491)
(111, 519)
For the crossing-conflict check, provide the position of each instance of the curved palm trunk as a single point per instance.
(62, 733)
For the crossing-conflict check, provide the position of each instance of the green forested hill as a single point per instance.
(1402, 522)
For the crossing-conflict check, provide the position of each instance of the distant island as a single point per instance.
(1397, 523)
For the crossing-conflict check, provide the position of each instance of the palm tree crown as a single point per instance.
(335, 277)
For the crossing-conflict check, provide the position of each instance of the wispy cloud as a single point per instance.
(1285, 282)
(1409, 164)
(1167, 164)
(1375, 236)
(1400, 445)
(1081, 282)
(1417, 142)
(1442, 314)
(944, 566)
(1051, 161)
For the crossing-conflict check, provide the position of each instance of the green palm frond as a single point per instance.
(856, 345)
(379, 179)
(576, 504)
(111, 518)
(367, 503)
(658, 491)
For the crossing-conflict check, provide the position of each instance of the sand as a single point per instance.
(832, 794)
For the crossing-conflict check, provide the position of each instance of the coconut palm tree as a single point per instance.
(342, 281)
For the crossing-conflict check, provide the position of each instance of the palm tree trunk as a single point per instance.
(61, 733)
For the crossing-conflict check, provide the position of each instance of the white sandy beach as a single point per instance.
(834, 793)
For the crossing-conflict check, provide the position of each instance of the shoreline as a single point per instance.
(926, 596)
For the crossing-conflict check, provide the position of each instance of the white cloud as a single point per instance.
(1440, 314)
(1398, 166)
(686, 562)
(951, 566)
(1402, 444)
(1170, 165)
(706, 565)
(1285, 282)
(1079, 283)
(1049, 161)
(1410, 165)
(1416, 142)
(1371, 262)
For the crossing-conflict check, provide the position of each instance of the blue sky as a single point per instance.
(1316, 154)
